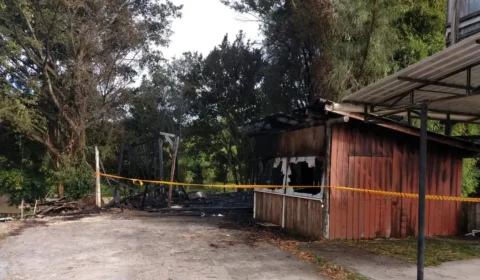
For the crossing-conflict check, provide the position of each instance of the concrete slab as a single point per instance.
(131, 247)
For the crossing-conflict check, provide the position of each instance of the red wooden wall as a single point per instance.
(372, 157)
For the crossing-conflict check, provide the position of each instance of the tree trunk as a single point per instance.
(60, 188)
(232, 165)
(61, 191)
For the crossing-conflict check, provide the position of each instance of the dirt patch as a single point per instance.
(9, 228)
(13, 228)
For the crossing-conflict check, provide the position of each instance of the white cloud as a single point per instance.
(203, 25)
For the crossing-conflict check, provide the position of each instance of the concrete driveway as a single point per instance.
(125, 246)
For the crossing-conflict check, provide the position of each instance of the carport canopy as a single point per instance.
(448, 82)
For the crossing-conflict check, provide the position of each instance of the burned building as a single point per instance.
(325, 146)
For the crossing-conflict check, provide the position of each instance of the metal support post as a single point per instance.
(448, 126)
(421, 195)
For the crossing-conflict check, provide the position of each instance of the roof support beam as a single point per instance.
(405, 93)
(389, 113)
(476, 91)
(399, 99)
(469, 80)
(435, 83)
(437, 91)
(474, 119)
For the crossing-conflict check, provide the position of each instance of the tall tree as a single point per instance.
(297, 47)
(223, 92)
(421, 31)
(364, 43)
(68, 64)
(330, 48)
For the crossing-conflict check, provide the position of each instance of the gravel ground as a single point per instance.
(125, 246)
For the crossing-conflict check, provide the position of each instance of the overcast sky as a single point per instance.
(203, 25)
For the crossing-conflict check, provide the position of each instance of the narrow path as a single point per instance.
(112, 246)
(384, 267)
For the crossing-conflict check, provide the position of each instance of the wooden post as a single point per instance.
(160, 159)
(160, 163)
(21, 209)
(172, 170)
(116, 194)
(35, 208)
(98, 194)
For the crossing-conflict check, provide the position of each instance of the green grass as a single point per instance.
(437, 250)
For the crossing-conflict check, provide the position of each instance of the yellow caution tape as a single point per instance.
(368, 191)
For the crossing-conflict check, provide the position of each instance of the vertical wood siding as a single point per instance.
(268, 207)
(304, 216)
(472, 212)
(371, 157)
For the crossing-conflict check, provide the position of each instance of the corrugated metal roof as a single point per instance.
(441, 80)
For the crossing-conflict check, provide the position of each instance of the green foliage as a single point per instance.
(364, 43)
(196, 166)
(67, 65)
(77, 181)
(20, 167)
(470, 176)
(66, 71)
(20, 183)
(421, 31)
(222, 92)
(297, 48)
(470, 170)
